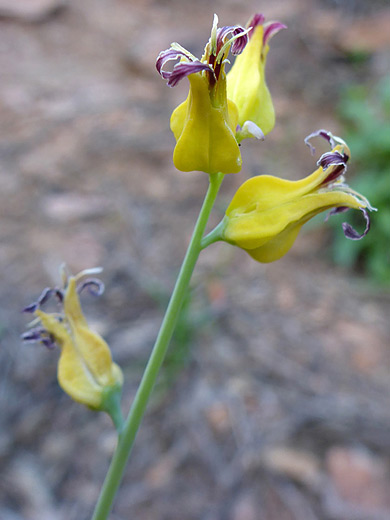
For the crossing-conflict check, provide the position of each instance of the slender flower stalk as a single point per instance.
(263, 218)
(137, 411)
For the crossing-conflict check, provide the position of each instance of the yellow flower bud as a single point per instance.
(246, 85)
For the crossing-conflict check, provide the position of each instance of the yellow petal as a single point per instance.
(205, 134)
(72, 305)
(90, 346)
(75, 378)
(53, 327)
(277, 246)
(95, 353)
(246, 85)
(254, 229)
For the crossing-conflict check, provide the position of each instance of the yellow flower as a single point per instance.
(85, 369)
(204, 125)
(246, 85)
(266, 213)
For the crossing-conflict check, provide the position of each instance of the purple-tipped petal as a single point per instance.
(49, 342)
(239, 43)
(169, 55)
(181, 70)
(31, 308)
(329, 158)
(43, 298)
(334, 174)
(39, 334)
(328, 136)
(257, 19)
(270, 29)
(224, 34)
(93, 285)
(351, 233)
(319, 133)
(33, 335)
(336, 211)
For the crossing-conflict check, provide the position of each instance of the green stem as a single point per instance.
(214, 236)
(132, 423)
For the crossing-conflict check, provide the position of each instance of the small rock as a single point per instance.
(358, 478)
(218, 417)
(301, 466)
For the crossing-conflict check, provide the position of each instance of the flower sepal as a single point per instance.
(111, 404)
(205, 133)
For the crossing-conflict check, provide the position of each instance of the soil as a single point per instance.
(274, 400)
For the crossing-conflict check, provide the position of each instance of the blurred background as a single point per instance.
(274, 399)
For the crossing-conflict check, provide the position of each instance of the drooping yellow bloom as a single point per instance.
(204, 125)
(85, 369)
(267, 213)
(246, 85)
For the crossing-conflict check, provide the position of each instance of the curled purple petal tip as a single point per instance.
(330, 158)
(175, 75)
(181, 70)
(224, 34)
(43, 298)
(39, 334)
(351, 233)
(93, 285)
(270, 29)
(257, 19)
(336, 211)
(319, 133)
(328, 136)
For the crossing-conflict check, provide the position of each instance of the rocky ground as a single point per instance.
(274, 400)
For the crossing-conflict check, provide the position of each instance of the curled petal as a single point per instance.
(334, 173)
(169, 55)
(43, 298)
(93, 285)
(237, 41)
(330, 158)
(336, 211)
(41, 335)
(328, 136)
(238, 38)
(270, 29)
(336, 162)
(351, 233)
(181, 70)
(319, 133)
(240, 42)
(257, 19)
(88, 272)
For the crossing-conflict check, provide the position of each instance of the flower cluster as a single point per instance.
(220, 109)
(85, 369)
(266, 214)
